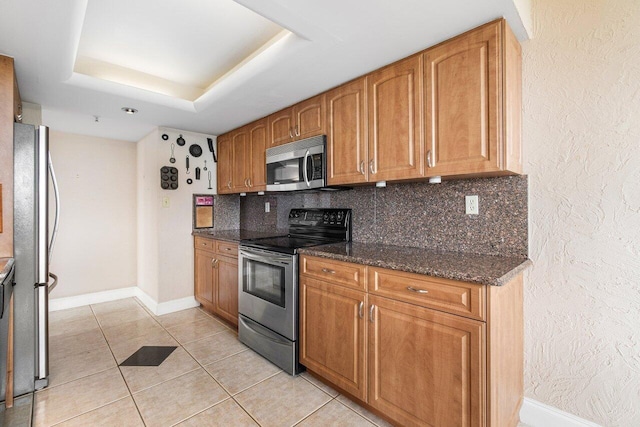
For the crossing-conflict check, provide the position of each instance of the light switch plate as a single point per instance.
(267, 207)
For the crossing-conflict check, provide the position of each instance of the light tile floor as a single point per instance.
(211, 379)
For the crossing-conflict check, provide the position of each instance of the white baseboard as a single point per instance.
(93, 298)
(97, 297)
(536, 414)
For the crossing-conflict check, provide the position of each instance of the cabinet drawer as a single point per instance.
(336, 272)
(466, 299)
(204, 244)
(227, 248)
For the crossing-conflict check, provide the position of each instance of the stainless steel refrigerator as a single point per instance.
(32, 252)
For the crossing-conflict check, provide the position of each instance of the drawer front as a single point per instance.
(204, 243)
(227, 248)
(466, 299)
(336, 272)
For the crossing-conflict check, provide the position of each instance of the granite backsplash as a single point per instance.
(406, 214)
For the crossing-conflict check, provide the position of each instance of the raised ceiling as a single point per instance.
(176, 48)
(210, 66)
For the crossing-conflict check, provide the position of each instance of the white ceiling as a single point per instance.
(216, 76)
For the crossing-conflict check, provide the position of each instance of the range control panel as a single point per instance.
(320, 217)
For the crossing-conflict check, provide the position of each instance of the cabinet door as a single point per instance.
(224, 181)
(425, 367)
(257, 163)
(309, 118)
(395, 121)
(347, 158)
(462, 90)
(280, 127)
(332, 334)
(226, 304)
(240, 156)
(203, 274)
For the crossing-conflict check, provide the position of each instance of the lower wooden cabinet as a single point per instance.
(216, 277)
(415, 364)
(425, 367)
(332, 334)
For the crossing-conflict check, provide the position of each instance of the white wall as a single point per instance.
(96, 245)
(165, 255)
(582, 151)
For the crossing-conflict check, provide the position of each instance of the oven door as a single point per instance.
(268, 289)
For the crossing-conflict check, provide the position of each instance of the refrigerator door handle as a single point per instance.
(42, 206)
(55, 281)
(42, 336)
(56, 194)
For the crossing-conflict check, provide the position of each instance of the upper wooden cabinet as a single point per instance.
(473, 102)
(347, 150)
(303, 120)
(242, 162)
(394, 97)
(224, 166)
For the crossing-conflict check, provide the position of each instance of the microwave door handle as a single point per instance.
(304, 169)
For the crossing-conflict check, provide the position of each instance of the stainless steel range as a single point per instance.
(268, 285)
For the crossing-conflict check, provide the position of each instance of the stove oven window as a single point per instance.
(265, 281)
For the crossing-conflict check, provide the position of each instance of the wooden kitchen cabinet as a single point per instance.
(332, 334)
(224, 165)
(303, 120)
(240, 160)
(394, 99)
(473, 102)
(216, 277)
(347, 149)
(425, 367)
(243, 160)
(449, 356)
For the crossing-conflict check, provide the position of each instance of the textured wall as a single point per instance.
(417, 214)
(582, 150)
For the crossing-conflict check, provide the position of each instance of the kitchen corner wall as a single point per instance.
(95, 249)
(416, 214)
(165, 245)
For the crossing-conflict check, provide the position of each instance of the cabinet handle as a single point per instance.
(291, 133)
(229, 184)
(326, 270)
(371, 166)
(297, 130)
(430, 162)
(371, 313)
(362, 171)
(420, 291)
(214, 263)
(249, 181)
(361, 309)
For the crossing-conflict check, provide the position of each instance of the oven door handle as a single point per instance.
(271, 259)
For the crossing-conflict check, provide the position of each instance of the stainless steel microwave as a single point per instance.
(299, 165)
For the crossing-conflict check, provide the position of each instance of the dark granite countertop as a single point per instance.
(237, 235)
(5, 267)
(466, 267)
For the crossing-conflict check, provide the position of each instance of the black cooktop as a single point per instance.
(308, 227)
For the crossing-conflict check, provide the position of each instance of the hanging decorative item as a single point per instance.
(165, 137)
(180, 141)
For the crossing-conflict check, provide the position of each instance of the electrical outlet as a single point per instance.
(471, 205)
(267, 207)
(166, 202)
